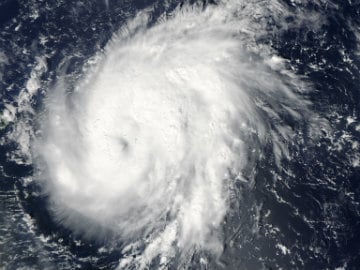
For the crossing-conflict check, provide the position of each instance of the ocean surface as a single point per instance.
(180, 135)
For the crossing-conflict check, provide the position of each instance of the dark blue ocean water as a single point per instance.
(314, 211)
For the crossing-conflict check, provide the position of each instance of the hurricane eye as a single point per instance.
(124, 145)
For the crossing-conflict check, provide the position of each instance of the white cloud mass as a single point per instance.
(161, 125)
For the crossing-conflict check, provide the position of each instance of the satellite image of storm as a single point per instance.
(180, 135)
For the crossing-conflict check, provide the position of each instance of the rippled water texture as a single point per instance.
(172, 135)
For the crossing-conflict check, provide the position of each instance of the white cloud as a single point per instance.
(146, 144)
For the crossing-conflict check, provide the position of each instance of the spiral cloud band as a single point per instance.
(164, 121)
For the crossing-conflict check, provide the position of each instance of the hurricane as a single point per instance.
(146, 144)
